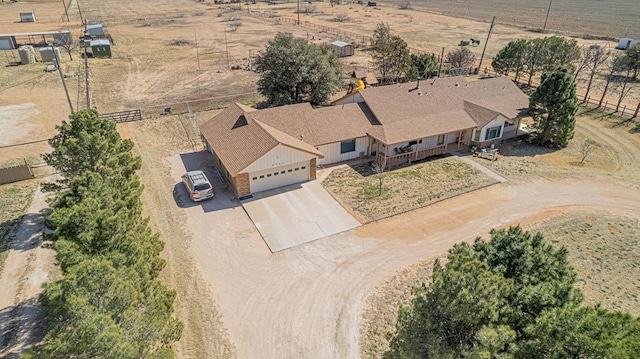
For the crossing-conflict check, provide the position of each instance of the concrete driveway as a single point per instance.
(297, 214)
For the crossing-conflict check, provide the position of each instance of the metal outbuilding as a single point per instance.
(95, 30)
(100, 48)
(28, 16)
(627, 42)
(46, 54)
(7, 42)
(342, 48)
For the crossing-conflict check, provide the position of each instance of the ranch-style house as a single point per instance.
(257, 150)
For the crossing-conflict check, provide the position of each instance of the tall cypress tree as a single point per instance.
(553, 106)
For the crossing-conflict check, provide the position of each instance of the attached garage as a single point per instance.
(279, 176)
(254, 156)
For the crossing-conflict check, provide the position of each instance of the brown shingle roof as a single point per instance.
(438, 107)
(317, 126)
(481, 115)
(239, 141)
(289, 141)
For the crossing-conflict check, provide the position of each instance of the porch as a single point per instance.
(391, 161)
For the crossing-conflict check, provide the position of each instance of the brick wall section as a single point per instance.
(242, 185)
(312, 169)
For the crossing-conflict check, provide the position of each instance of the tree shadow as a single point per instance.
(524, 146)
(22, 233)
(21, 326)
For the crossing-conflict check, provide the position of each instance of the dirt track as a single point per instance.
(306, 302)
(27, 267)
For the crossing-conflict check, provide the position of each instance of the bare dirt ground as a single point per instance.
(26, 268)
(239, 300)
(602, 244)
(236, 299)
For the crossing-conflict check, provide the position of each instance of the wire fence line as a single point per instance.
(624, 110)
(198, 105)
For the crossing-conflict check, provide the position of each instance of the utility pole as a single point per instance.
(493, 23)
(86, 72)
(56, 62)
(197, 51)
(441, 61)
(226, 47)
(544, 28)
(79, 11)
(65, 10)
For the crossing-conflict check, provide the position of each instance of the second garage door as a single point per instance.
(279, 176)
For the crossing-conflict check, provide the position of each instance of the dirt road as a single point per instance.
(27, 267)
(240, 301)
(306, 302)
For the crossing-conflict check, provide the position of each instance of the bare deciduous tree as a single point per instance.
(66, 42)
(461, 58)
(588, 147)
(597, 58)
(380, 174)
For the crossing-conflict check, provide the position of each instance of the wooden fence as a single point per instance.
(123, 116)
(16, 173)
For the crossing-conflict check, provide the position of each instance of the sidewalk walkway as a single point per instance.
(480, 167)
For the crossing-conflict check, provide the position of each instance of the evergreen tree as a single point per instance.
(89, 143)
(511, 58)
(390, 54)
(110, 303)
(510, 297)
(553, 106)
(424, 64)
(633, 56)
(293, 71)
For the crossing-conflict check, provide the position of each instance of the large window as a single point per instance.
(441, 140)
(347, 146)
(493, 132)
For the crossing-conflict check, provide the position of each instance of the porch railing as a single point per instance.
(413, 156)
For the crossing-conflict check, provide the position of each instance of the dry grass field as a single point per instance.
(605, 251)
(168, 52)
(589, 17)
(357, 187)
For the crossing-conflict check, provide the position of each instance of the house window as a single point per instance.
(476, 136)
(262, 176)
(493, 132)
(347, 146)
(303, 167)
(508, 124)
(440, 140)
(282, 172)
(275, 174)
(254, 178)
(412, 143)
(268, 174)
(297, 169)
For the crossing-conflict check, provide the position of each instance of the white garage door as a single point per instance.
(279, 176)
